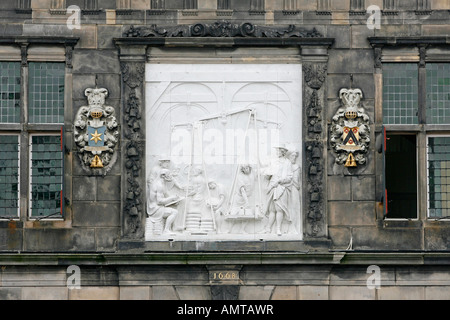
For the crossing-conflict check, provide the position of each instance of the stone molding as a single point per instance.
(221, 29)
(226, 258)
(24, 42)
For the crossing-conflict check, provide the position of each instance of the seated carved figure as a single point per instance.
(159, 204)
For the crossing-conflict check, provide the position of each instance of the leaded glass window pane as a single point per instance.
(46, 92)
(9, 175)
(438, 177)
(438, 93)
(400, 93)
(10, 92)
(46, 175)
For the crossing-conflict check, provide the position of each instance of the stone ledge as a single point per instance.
(223, 41)
(398, 41)
(222, 258)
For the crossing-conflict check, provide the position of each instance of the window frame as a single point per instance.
(386, 198)
(420, 51)
(28, 96)
(30, 168)
(6, 133)
(428, 136)
(48, 50)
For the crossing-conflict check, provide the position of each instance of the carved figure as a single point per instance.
(160, 205)
(294, 187)
(216, 201)
(245, 184)
(198, 216)
(277, 207)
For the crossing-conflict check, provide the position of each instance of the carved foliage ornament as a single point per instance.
(133, 76)
(314, 75)
(350, 130)
(221, 29)
(96, 132)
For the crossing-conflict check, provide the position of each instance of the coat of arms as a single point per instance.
(350, 129)
(96, 132)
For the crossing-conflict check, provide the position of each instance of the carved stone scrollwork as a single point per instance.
(314, 76)
(132, 73)
(69, 56)
(221, 29)
(24, 53)
(377, 57)
(133, 148)
(315, 199)
(422, 56)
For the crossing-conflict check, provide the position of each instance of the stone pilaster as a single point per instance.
(315, 194)
(132, 62)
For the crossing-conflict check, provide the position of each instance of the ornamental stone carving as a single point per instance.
(133, 149)
(315, 202)
(221, 29)
(223, 158)
(350, 130)
(96, 133)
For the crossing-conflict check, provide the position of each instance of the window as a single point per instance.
(46, 167)
(401, 161)
(9, 175)
(438, 93)
(46, 92)
(157, 4)
(438, 154)
(416, 117)
(10, 92)
(400, 93)
(44, 117)
(223, 4)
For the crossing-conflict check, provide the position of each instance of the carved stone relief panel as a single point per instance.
(223, 151)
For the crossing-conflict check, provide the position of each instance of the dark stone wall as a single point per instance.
(93, 217)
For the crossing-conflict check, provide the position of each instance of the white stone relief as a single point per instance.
(223, 152)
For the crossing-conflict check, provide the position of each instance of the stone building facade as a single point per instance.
(79, 85)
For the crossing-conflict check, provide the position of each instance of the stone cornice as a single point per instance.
(222, 34)
(68, 41)
(223, 42)
(407, 41)
(221, 258)
(221, 29)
